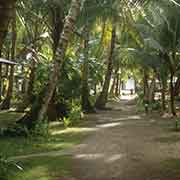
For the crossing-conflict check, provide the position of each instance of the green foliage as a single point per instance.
(140, 101)
(177, 124)
(44, 168)
(155, 105)
(41, 129)
(7, 168)
(74, 115)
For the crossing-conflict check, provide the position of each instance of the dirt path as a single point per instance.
(127, 146)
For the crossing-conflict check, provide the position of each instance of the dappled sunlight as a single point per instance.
(114, 158)
(73, 130)
(134, 117)
(108, 125)
(60, 145)
(128, 97)
(92, 156)
(105, 157)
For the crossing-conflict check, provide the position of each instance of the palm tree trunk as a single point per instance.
(1, 79)
(118, 83)
(102, 99)
(163, 96)
(113, 85)
(39, 108)
(146, 92)
(177, 87)
(152, 90)
(172, 100)
(86, 105)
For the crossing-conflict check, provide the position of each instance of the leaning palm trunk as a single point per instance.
(39, 108)
(102, 99)
(59, 58)
(85, 102)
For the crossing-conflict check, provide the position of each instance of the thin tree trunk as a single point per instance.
(177, 87)
(7, 101)
(32, 77)
(102, 99)
(1, 80)
(163, 96)
(117, 85)
(95, 89)
(86, 105)
(151, 90)
(113, 85)
(172, 99)
(146, 89)
(120, 85)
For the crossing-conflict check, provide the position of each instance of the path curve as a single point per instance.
(125, 145)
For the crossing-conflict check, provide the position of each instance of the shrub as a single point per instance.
(7, 168)
(177, 124)
(41, 129)
(74, 115)
(155, 105)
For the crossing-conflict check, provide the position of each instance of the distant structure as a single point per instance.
(129, 86)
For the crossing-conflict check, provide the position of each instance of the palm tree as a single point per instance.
(39, 108)
(102, 99)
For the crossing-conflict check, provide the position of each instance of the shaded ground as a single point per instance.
(125, 145)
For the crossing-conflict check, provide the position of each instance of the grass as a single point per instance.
(40, 168)
(25, 146)
(171, 167)
(7, 118)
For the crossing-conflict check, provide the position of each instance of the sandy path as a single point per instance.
(125, 145)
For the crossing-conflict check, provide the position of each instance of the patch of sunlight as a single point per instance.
(60, 145)
(152, 120)
(73, 130)
(134, 117)
(90, 156)
(114, 158)
(128, 97)
(109, 125)
(56, 123)
(104, 157)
